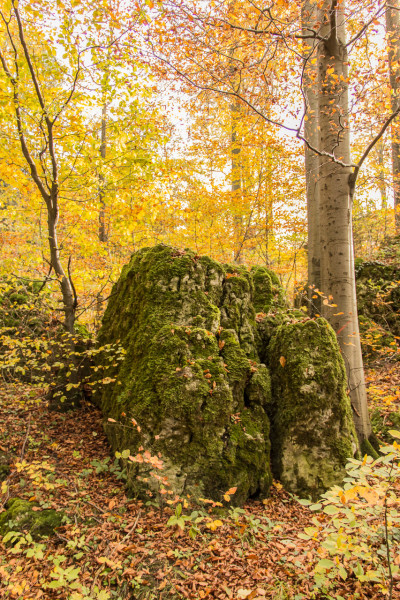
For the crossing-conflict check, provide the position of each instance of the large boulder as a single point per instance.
(192, 392)
(191, 377)
(313, 430)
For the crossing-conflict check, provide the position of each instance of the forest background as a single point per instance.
(194, 124)
(145, 157)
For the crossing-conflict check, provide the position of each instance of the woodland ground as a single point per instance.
(112, 546)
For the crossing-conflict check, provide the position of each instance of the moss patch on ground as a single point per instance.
(20, 515)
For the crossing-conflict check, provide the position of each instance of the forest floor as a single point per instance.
(111, 546)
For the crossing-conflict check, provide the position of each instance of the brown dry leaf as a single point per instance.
(282, 360)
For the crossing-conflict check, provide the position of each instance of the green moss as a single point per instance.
(378, 294)
(377, 342)
(268, 291)
(21, 516)
(366, 448)
(258, 390)
(237, 310)
(312, 428)
(185, 373)
(193, 380)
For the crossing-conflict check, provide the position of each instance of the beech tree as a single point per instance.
(310, 16)
(393, 38)
(41, 159)
(59, 67)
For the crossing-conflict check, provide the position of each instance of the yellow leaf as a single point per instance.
(213, 525)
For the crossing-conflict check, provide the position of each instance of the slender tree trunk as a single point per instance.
(49, 191)
(236, 177)
(382, 183)
(336, 190)
(310, 16)
(381, 175)
(103, 237)
(67, 291)
(393, 37)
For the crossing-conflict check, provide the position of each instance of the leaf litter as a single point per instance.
(113, 546)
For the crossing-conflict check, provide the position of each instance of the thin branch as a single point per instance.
(365, 27)
(354, 175)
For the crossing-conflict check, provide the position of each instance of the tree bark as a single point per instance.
(103, 237)
(336, 192)
(393, 38)
(236, 178)
(49, 190)
(310, 17)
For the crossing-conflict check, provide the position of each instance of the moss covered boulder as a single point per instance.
(23, 516)
(191, 378)
(188, 405)
(313, 431)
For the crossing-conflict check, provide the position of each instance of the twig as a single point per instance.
(95, 506)
(132, 529)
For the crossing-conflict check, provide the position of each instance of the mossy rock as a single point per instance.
(21, 516)
(378, 294)
(191, 377)
(5, 465)
(201, 341)
(377, 342)
(311, 420)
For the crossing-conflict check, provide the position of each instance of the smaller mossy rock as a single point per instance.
(378, 293)
(390, 249)
(377, 342)
(5, 465)
(382, 423)
(21, 516)
(313, 433)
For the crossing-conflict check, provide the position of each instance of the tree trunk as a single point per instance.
(68, 296)
(310, 17)
(236, 178)
(103, 237)
(336, 189)
(393, 38)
